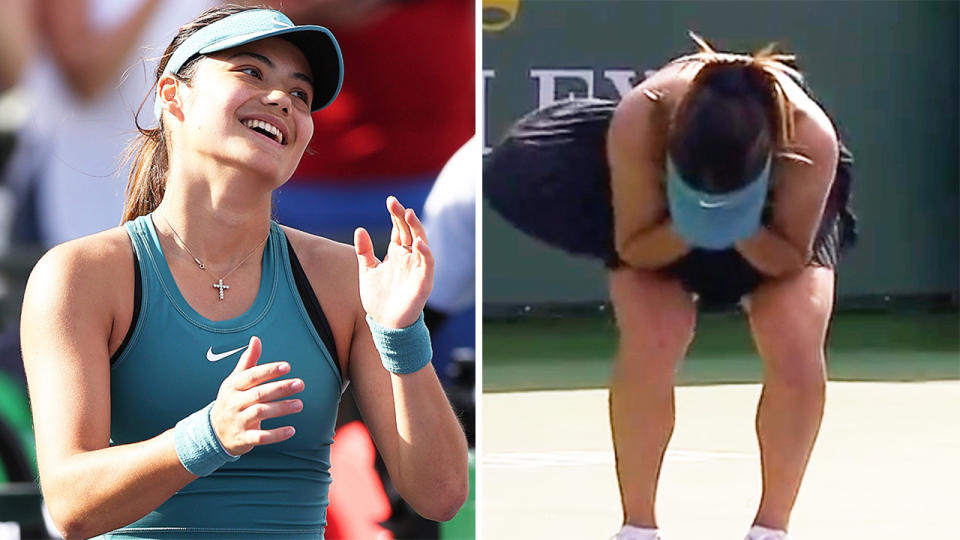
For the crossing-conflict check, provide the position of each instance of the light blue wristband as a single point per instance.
(402, 350)
(197, 444)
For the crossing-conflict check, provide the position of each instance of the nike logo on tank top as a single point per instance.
(173, 365)
(216, 357)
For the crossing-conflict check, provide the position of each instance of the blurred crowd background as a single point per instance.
(73, 77)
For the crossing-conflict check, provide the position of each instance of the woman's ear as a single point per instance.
(171, 90)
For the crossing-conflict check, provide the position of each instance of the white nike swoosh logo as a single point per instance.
(220, 356)
(706, 204)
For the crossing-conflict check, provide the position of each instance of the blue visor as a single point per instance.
(716, 220)
(316, 42)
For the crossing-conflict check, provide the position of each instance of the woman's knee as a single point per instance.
(789, 322)
(801, 372)
(793, 353)
(802, 301)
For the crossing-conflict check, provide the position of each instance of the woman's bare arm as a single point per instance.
(643, 233)
(408, 416)
(415, 430)
(786, 244)
(89, 487)
(91, 58)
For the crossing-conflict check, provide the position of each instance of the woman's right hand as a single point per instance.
(247, 397)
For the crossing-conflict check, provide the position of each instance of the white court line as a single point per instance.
(577, 458)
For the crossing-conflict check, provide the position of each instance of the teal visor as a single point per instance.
(316, 42)
(716, 220)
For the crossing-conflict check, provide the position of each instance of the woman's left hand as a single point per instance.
(394, 291)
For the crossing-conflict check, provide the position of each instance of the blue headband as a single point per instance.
(716, 220)
(316, 42)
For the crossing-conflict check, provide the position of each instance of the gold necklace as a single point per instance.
(220, 284)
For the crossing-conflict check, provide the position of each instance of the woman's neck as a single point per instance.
(220, 220)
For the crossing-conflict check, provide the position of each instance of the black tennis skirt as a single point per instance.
(549, 178)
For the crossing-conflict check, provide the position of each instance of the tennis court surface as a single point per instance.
(885, 465)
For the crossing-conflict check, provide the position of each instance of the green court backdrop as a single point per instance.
(886, 72)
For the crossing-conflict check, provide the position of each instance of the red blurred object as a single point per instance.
(357, 501)
(407, 101)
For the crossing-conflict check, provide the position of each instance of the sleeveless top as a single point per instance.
(172, 364)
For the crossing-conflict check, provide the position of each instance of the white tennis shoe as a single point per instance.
(762, 533)
(629, 532)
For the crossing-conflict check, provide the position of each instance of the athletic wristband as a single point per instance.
(197, 444)
(402, 350)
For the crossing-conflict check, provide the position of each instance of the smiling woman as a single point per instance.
(191, 387)
(236, 84)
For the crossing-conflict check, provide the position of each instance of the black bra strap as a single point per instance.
(309, 299)
(137, 294)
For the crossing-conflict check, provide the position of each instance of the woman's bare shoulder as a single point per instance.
(103, 255)
(331, 268)
(645, 111)
(90, 278)
(814, 125)
(664, 85)
(323, 259)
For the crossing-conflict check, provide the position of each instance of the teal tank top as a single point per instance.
(164, 373)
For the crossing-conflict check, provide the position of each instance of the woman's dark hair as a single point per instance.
(150, 149)
(732, 118)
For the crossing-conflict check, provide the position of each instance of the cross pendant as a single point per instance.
(220, 286)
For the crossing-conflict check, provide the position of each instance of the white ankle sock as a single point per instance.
(759, 532)
(629, 532)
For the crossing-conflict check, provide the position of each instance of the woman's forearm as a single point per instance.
(93, 492)
(432, 464)
(653, 248)
(771, 254)
(98, 64)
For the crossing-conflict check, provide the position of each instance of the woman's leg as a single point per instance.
(789, 319)
(656, 318)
